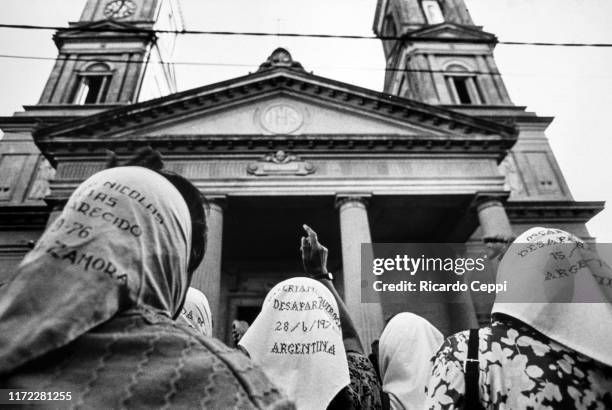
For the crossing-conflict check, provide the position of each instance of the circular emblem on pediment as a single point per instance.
(281, 119)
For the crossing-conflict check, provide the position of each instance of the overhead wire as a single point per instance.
(272, 34)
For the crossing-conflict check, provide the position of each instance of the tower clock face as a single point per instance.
(119, 9)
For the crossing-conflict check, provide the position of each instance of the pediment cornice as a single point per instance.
(279, 81)
(451, 32)
(451, 131)
(180, 145)
(551, 211)
(101, 29)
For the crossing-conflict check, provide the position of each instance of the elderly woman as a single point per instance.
(406, 347)
(298, 342)
(196, 312)
(91, 309)
(549, 344)
(305, 340)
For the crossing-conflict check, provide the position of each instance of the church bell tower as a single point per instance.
(111, 56)
(437, 55)
(440, 56)
(112, 52)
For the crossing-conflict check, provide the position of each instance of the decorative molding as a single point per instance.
(451, 32)
(281, 118)
(94, 149)
(280, 163)
(553, 211)
(215, 201)
(266, 83)
(280, 58)
(352, 199)
(12, 250)
(117, 30)
(485, 199)
(24, 217)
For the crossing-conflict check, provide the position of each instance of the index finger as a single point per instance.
(312, 235)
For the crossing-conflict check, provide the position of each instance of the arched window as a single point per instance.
(92, 84)
(389, 29)
(462, 85)
(432, 11)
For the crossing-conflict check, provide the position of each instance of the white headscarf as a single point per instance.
(122, 240)
(297, 341)
(196, 312)
(405, 348)
(552, 303)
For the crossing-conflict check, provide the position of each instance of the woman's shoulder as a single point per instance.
(138, 352)
(454, 348)
(213, 366)
(364, 389)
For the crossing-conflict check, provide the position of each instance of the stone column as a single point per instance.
(207, 276)
(492, 216)
(494, 225)
(355, 230)
(496, 231)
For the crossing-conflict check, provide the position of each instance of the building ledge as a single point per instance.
(25, 217)
(539, 212)
(505, 114)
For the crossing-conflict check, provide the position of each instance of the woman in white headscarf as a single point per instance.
(90, 310)
(550, 342)
(196, 312)
(298, 341)
(405, 349)
(306, 342)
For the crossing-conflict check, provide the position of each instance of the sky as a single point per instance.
(572, 84)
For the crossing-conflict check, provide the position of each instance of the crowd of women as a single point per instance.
(107, 314)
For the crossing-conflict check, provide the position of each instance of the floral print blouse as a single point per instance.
(519, 369)
(364, 391)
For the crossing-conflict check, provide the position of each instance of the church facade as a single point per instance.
(440, 155)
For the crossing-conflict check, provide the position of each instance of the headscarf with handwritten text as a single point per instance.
(122, 241)
(559, 285)
(196, 312)
(297, 340)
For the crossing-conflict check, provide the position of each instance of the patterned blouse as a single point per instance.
(519, 368)
(364, 390)
(141, 360)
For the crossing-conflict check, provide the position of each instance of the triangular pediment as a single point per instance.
(447, 31)
(275, 101)
(283, 114)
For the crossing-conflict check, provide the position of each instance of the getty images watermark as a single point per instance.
(557, 271)
(414, 265)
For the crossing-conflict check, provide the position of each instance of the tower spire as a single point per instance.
(439, 56)
(107, 56)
